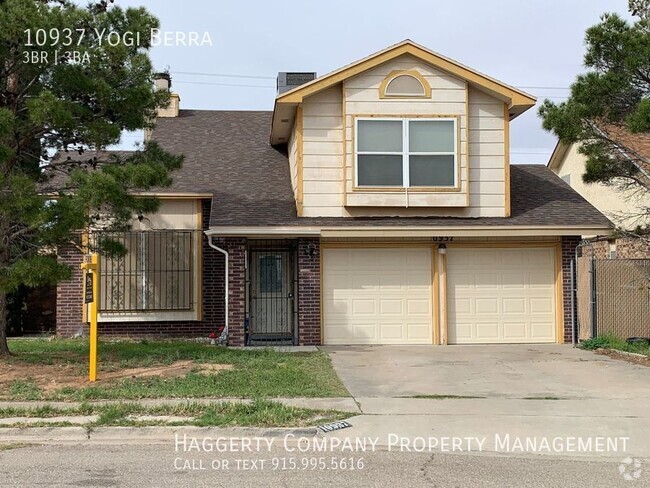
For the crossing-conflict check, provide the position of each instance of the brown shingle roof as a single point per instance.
(637, 144)
(227, 153)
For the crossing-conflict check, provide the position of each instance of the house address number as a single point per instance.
(443, 239)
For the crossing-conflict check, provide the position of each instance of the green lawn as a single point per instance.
(612, 342)
(259, 413)
(256, 373)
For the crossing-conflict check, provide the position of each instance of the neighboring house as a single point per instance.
(626, 208)
(374, 205)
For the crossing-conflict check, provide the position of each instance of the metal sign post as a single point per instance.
(92, 298)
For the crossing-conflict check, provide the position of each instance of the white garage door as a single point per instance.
(377, 296)
(501, 295)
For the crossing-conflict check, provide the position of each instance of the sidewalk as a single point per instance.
(389, 420)
(344, 404)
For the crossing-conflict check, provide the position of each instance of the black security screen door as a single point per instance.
(272, 292)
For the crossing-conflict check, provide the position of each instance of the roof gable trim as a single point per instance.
(515, 97)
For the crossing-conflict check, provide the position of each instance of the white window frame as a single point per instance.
(405, 153)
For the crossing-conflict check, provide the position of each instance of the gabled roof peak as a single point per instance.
(518, 101)
(408, 46)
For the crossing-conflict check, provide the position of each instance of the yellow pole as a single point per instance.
(93, 268)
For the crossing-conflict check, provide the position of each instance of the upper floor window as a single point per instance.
(406, 152)
(405, 84)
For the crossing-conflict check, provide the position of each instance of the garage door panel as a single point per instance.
(541, 305)
(421, 307)
(392, 307)
(513, 306)
(388, 294)
(515, 280)
(487, 330)
(484, 280)
(515, 330)
(390, 280)
(501, 295)
(391, 332)
(363, 307)
(487, 306)
(418, 331)
(540, 330)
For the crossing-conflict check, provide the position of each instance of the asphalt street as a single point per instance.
(160, 465)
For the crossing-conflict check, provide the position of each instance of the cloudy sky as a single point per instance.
(537, 45)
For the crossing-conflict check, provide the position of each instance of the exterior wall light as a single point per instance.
(311, 250)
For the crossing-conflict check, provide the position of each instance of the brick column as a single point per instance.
(69, 294)
(569, 244)
(213, 280)
(309, 326)
(236, 248)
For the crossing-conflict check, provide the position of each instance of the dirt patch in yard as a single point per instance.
(52, 377)
(629, 357)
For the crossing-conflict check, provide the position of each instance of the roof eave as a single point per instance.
(558, 155)
(412, 231)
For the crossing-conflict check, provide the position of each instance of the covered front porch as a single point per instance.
(273, 295)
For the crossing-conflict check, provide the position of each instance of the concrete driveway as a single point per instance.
(503, 371)
(526, 391)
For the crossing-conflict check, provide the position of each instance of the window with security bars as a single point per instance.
(156, 274)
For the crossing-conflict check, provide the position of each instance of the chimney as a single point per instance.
(288, 81)
(163, 81)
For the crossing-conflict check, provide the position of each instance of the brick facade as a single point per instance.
(626, 248)
(69, 297)
(309, 313)
(569, 244)
(236, 248)
(69, 293)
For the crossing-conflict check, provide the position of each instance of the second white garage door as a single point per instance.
(501, 295)
(377, 296)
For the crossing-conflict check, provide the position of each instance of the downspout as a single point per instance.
(223, 338)
(573, 302)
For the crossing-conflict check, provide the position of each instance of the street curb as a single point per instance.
(630, 354)
(158, 434)
(345, 404)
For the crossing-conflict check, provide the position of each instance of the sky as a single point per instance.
(535, 45)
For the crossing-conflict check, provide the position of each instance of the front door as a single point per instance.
(272, 296)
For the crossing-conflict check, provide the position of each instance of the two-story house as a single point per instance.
(626, 207)
(375, 205)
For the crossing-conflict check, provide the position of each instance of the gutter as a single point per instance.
(223, 338)
(397, 231)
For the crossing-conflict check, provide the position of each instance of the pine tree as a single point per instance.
(64, 88)
(610, 102)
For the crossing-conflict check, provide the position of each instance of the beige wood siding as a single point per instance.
(448, 98)
(323, 154)
(293, 160)
(328, 156)
(625, 209)
(171, 214)
(487, 160)
(180, 214)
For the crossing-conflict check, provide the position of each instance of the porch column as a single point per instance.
(309, 313)
(569, 244)
(236, 248)
(69, 294)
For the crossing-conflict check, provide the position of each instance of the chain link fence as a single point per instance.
(612, 296)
